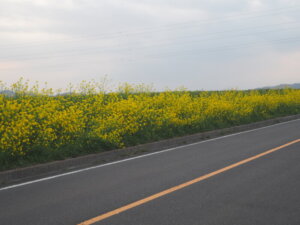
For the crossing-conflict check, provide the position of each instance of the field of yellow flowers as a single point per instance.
(39, 126)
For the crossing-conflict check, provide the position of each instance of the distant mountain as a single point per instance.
(7, 93)
(282, 86)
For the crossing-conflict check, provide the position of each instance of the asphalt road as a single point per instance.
(263, 191)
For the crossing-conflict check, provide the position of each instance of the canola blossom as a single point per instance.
(40, 126)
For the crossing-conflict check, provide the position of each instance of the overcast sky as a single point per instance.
(217, 44)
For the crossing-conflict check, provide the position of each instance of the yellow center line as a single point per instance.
(183, 185)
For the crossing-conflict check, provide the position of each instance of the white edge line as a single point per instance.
(141, 156)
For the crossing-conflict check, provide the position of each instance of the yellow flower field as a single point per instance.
(37, 126)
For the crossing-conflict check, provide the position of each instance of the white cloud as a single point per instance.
(65, 4)
(79, 39)
(256, 4)
(161, 11)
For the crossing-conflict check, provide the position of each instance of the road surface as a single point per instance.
(247, 178)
